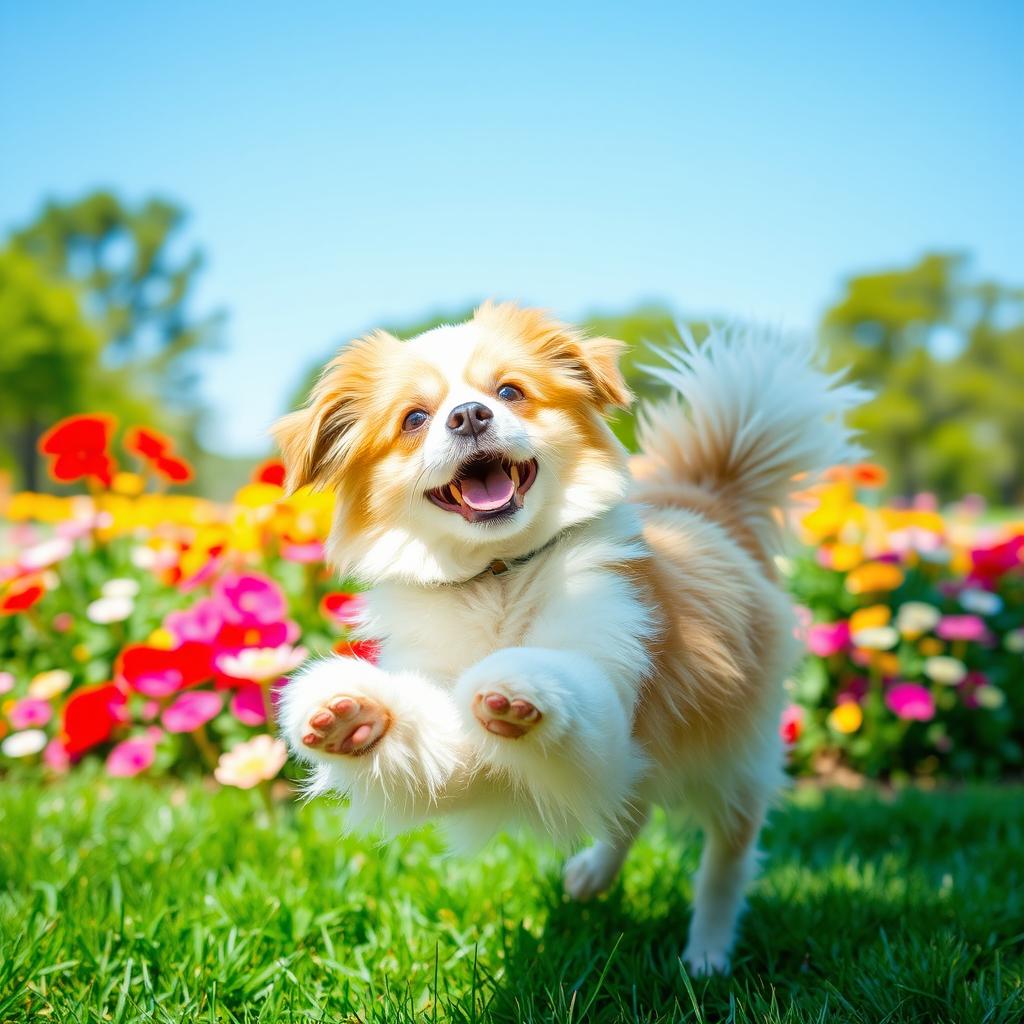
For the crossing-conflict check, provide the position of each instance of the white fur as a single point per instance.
(567, 632)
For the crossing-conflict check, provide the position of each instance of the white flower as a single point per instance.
(122, 587)
(110, 609)
(261, 664)
(990, 697)
(876, 638)
(45, 554)
(24, 744)
(981, 602)
(47, 685)
(945, 670)
(1014, 641)
(248, 764)
(916, 617)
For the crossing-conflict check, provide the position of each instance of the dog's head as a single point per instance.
(466, 443)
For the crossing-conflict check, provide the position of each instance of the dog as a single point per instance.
(569, 634)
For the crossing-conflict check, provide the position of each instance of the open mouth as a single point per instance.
(486, 487)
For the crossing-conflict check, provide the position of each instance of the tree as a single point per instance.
(945, 356)
(135, 288)
(49, 360)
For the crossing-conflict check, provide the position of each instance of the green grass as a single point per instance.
(138, 902)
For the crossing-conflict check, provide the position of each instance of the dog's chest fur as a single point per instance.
(441, 631)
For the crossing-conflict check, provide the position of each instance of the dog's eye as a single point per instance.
(510, 393)
(415, 420)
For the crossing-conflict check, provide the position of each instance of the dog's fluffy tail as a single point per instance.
(752, 418)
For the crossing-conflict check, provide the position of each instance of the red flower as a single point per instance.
(989, 565)
(269, 472)
(367, 650)
(79, 446)
(90, 717)
(20, 598)
(157, 672)
(147, 443)
(156, 449)
(173, 469)
(342, 608)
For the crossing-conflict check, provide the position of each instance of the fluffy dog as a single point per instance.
(569, 635)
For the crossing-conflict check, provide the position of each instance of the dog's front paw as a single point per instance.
(701, 961)
(348, 726)
(504, 713)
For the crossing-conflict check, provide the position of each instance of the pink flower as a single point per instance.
(63, 621)
(130, 757)
(791, 724)
(970, 628)
(30, 713)
(825, 639)
(191, 710)
(247, 705)
(261, 664)
(250, 599)
(311, 551)
(910, 701)
(200, 623)
(55, 757)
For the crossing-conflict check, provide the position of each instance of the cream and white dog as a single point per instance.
(569, 635)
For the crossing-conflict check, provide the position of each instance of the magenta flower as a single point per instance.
(910, 701)
(827, 638)
(191, 710)
(130, 757)
(970, 628)
(29, 713)
(250, 599)
(200, 623)
(247, 705)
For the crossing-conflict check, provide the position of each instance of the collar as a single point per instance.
(500, 566)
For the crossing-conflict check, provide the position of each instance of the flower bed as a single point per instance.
(914, 622)
(155, 630)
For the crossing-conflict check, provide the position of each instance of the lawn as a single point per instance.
(138, 901)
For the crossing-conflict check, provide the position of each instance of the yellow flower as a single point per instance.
(161, 638)
(129, 484)
(844, 557)
(80, 653)
(874, 577)
(931, 646)
(846, 718)
(867, 618)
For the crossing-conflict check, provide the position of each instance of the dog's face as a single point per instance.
(464, 444)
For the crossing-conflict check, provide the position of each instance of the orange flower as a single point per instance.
(874, 577)
(868, 618)
(868, 474)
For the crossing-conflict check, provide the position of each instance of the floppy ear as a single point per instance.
(599, 358)
(312, 439)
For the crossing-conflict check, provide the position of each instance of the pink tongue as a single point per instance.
(487, 495)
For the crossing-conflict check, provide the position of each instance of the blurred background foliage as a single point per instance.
(97, 311)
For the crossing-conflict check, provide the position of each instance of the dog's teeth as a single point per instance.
(456, 493)
(515, 476)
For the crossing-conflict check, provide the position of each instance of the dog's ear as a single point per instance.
(593, 361)
(599, 358)
(314, 440)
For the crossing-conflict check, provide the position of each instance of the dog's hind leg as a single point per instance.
(727, 864)
(593, 870)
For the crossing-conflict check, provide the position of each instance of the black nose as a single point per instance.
(469, 419)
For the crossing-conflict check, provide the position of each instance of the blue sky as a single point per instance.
(346, 165)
